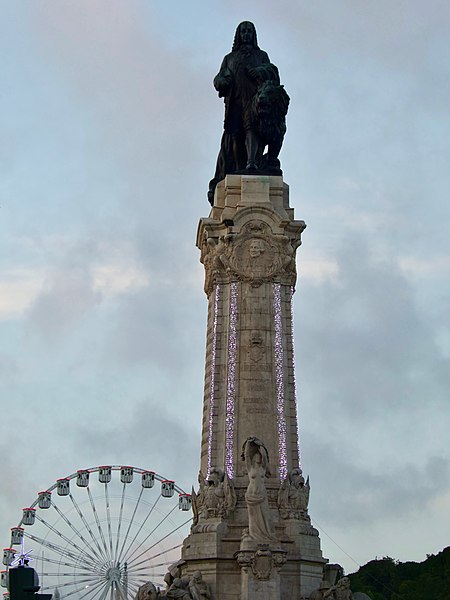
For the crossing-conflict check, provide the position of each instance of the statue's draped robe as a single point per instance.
(259, 524)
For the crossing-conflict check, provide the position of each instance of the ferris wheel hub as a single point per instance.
(113, 574)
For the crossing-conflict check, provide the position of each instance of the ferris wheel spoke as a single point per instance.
(77, 532)
(71, 584)
(134, 587)
(102, 555)
(130, 523)
(162, 575)
(97, 520)
(58, 549)
(121, 591)
(92, 589)
(146, 560)
(119, 524)
(136, 572)
(150, 534)
(44, 559)
(105, 591)
(130, 545)
(108, 519)
(65, 538)
(77, 590)
(147, 567)
(71, 574)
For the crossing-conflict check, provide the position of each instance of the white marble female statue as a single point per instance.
(260, 529)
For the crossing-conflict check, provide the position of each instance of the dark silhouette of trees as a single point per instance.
(389, 579)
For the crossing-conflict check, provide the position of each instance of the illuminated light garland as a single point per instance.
(212, 384)
(231, 383)
(297, 428)
(279, 376)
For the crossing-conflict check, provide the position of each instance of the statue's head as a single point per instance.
(197, 576)
(215, 476)
(245, 35)
(344, 583)
(296, 477)
(256, 248)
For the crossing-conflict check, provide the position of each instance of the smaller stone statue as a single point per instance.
(319, 593)
(179, 589)
(216, 496)
(293, 496)
(148, 592)
(340, 591)
(198, 588)
(260, 528)
(187, 587)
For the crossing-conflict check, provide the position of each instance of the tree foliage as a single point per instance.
(389, 579)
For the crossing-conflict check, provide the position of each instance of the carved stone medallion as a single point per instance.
(255, 255)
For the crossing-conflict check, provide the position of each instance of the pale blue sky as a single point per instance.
(110, 129)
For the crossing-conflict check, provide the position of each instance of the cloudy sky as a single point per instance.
(109, 133)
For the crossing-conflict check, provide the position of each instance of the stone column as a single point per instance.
(248, 246)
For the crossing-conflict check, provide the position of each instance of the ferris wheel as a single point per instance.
(100, 533)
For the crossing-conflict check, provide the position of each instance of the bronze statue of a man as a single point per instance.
(255, 109)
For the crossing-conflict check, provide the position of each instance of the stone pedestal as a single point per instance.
(248, 246)
(260, 572)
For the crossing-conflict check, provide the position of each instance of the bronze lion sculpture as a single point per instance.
(269, 109)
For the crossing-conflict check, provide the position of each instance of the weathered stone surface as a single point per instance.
(248, 246)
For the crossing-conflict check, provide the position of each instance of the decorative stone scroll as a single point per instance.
(255, 255)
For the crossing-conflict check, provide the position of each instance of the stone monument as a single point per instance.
(251, 536)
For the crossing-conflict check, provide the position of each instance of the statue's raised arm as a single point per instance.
(255, 110)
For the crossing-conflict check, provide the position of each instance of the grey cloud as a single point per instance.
(17, 490)
(67, 295)
(148, 433)
(365, 343)
(156, 325)
(353, 496)
(9, 367)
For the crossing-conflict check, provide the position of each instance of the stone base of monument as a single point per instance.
(235, 570)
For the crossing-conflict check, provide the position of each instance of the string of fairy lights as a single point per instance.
(279, 380)
(297, 428)
(231, 382)
(212, 378)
